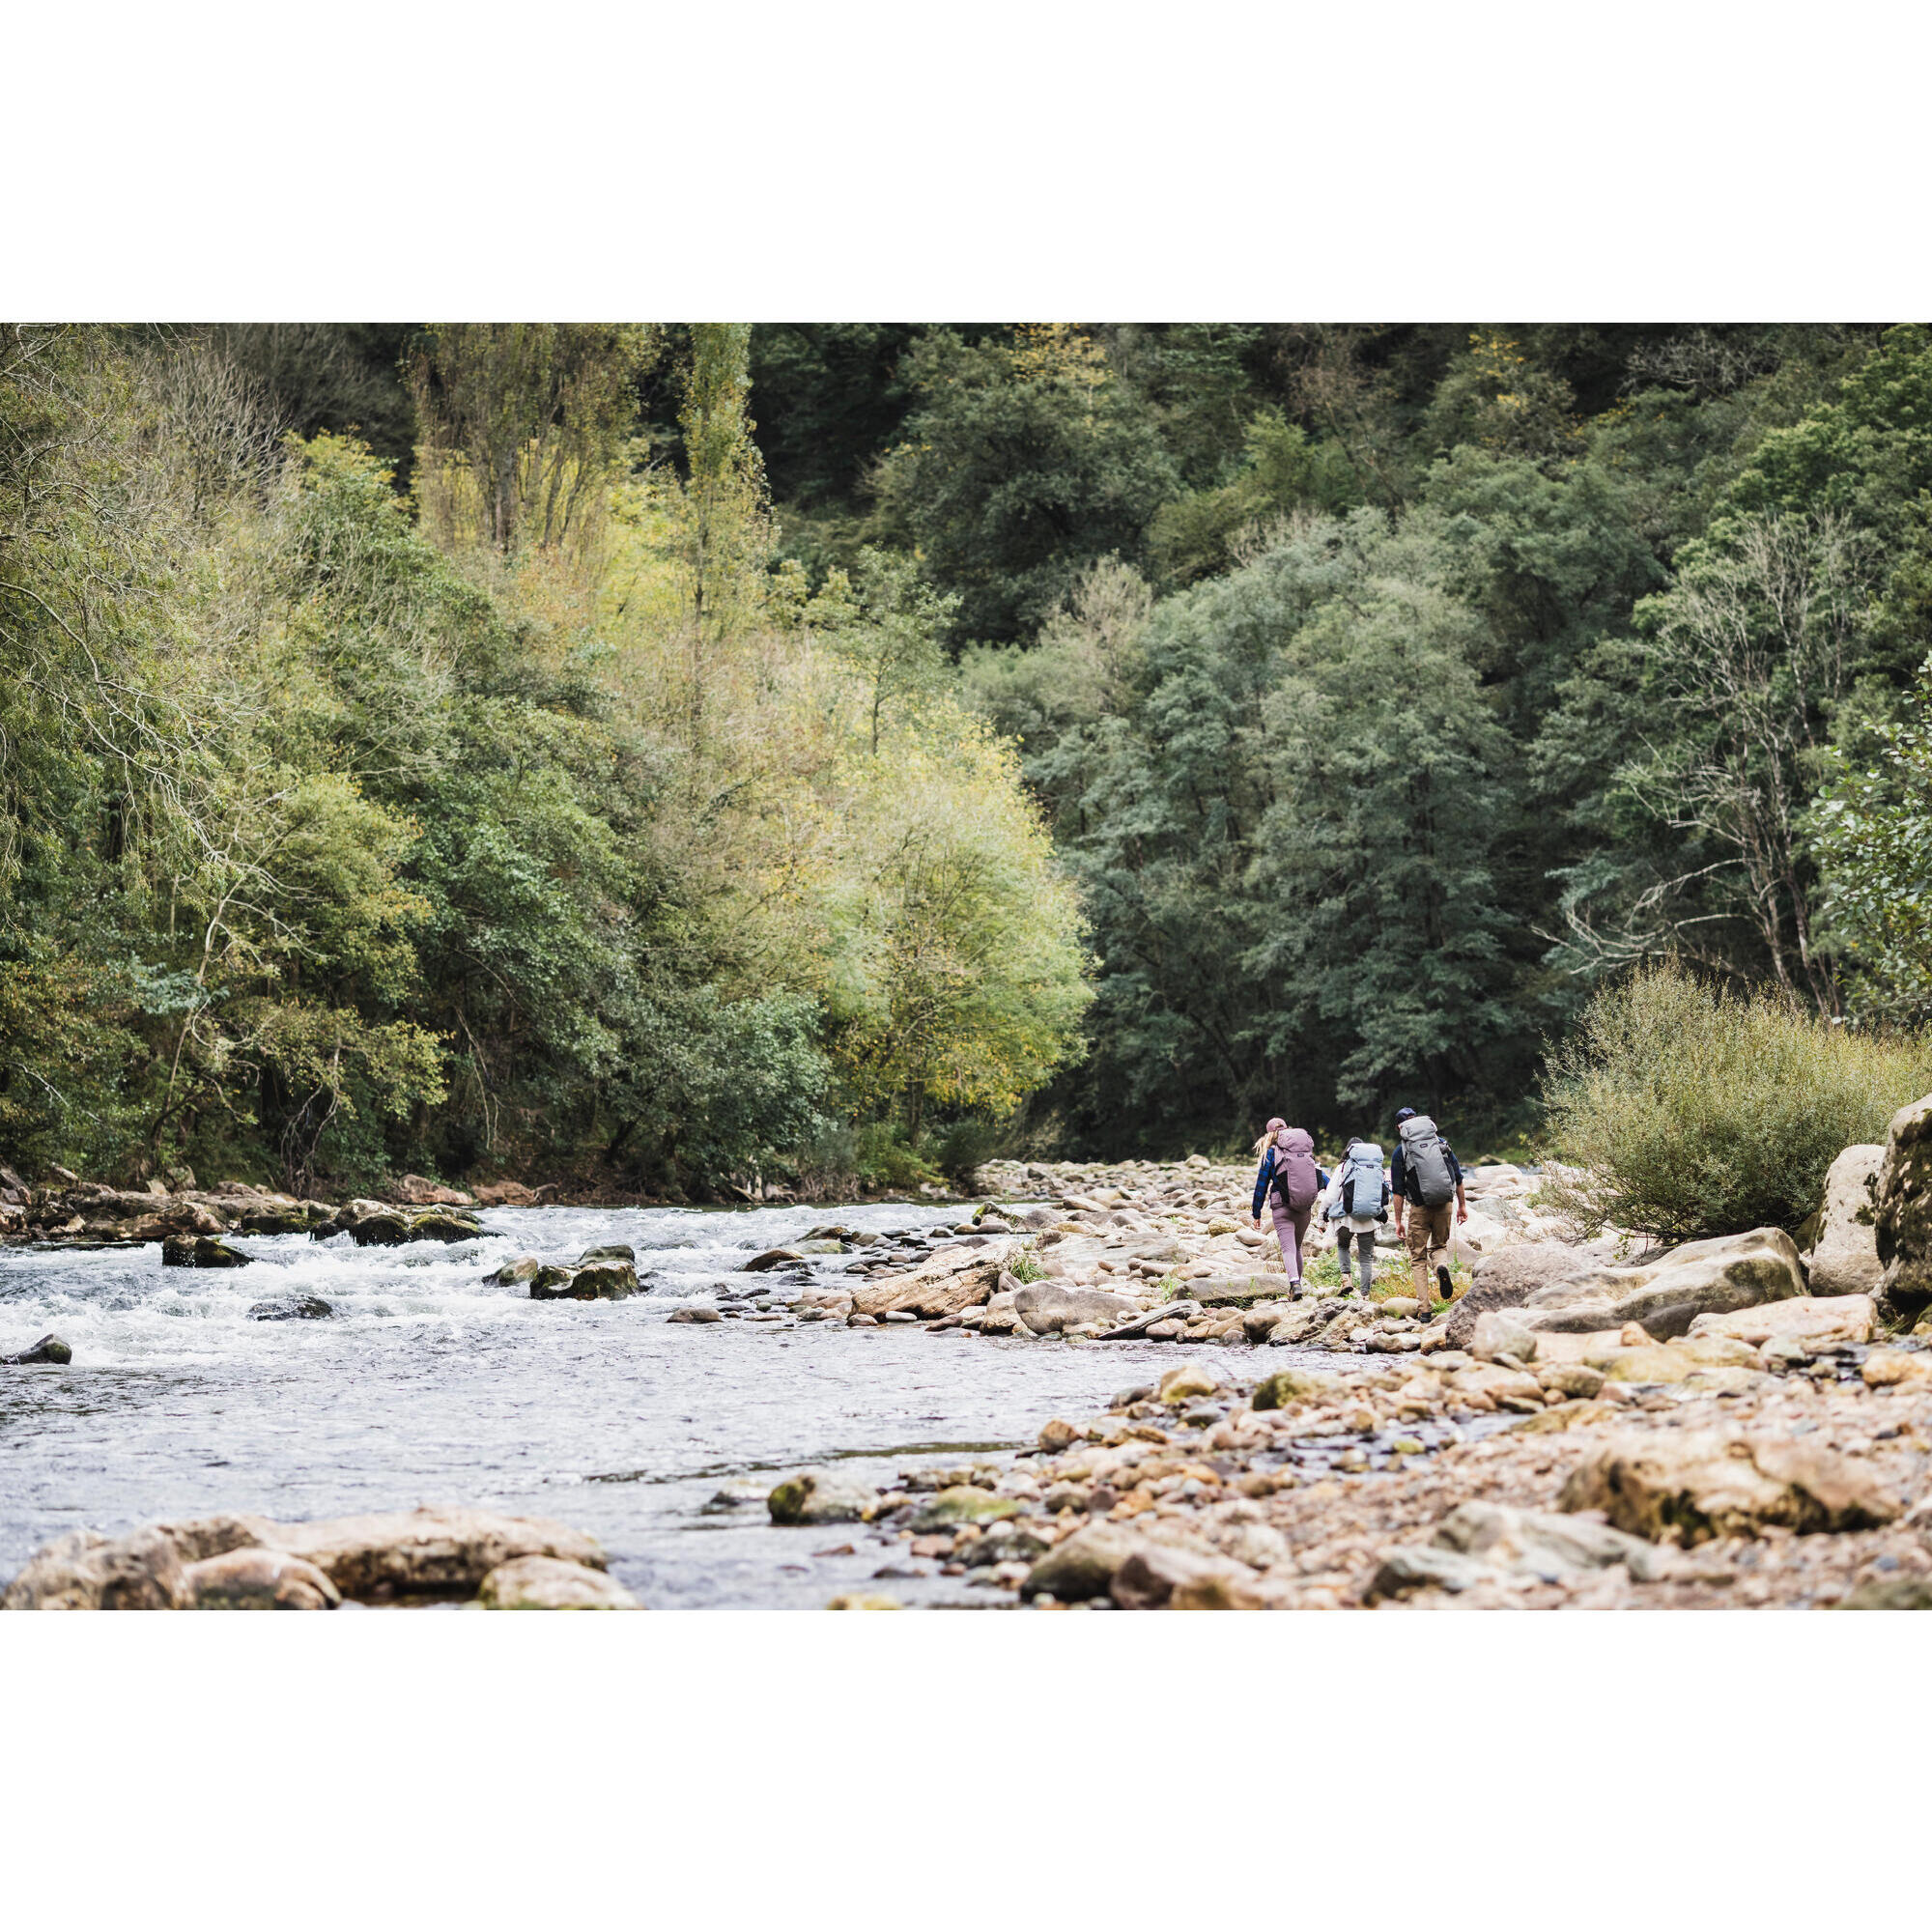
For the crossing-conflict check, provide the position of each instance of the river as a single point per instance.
(431, 1384)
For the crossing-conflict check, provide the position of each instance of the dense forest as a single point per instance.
(671, 758)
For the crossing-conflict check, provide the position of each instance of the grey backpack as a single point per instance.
(1425, 1160)
(1363, 1182)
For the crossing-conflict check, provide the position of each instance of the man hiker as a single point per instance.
(1424, 1176)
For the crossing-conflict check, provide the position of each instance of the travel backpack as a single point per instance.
(1426, 1176)
(1363, 1183)
(1295, 1178)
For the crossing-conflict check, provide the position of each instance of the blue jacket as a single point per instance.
(1396, 1172)
(1267, 1175)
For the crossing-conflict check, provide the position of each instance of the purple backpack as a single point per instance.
(1297, 1179)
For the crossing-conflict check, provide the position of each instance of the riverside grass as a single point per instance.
(1680, 1110)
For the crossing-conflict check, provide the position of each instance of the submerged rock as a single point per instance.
(201, 1251)
(48, 1348)
(292, 1308)
(547, 1584)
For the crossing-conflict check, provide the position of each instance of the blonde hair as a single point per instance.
(1266, 1141)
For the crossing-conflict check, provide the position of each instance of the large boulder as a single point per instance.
(1668, 1292)
(601, 1274)
(1904, 1225)
(1844, 1258)
(425, 1552)
(946, 1283)
(48, 1348)
(545, 1583)
(1048, 1308)
(85, 1571)
(1702, 1484)
(200, 1251)
(259, 1579)
(1825, 1321)
(1235, 1290)
(1508, 1278)
(376, 1224)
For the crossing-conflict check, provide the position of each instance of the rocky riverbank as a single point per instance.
(1806, 1486)
(1739, 1421)
(1584, 1427)
(456, 1556)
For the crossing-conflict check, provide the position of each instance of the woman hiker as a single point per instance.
(1356, 1201)
(1290, 1182)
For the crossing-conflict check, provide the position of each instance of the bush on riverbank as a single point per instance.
(1685, 1111)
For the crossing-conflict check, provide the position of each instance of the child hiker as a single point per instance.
(1289, 1179)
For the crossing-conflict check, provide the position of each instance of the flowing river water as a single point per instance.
(432, 1385)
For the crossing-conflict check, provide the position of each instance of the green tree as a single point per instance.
(957, 969)
(529, 416)
(890, 627)
(1021, 465)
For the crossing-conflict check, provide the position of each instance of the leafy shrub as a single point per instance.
(958, 1149)
(885, 1159)
(1684, 1112)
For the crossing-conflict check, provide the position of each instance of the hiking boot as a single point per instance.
(1448, 1285)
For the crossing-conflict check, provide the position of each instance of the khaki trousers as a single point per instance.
(1426, 1230)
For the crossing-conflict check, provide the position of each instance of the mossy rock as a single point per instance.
(1287, 1386)
(966, 1503)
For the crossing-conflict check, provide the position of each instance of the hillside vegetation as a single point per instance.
(673, 758)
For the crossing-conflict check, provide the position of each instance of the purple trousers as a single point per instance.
(1290, 1229)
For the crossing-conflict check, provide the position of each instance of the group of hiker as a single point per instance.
(1421, 1185)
